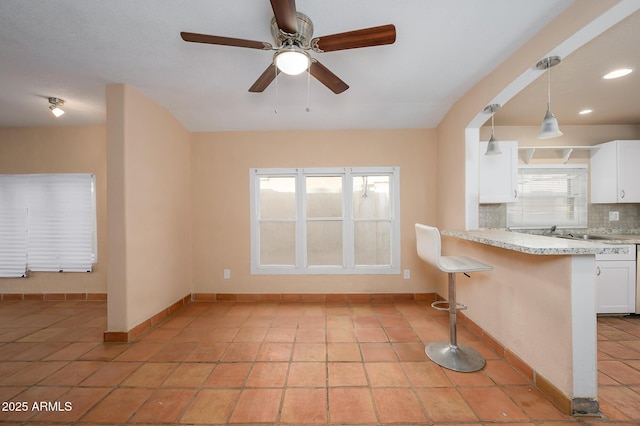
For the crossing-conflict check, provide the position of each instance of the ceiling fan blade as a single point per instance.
(225, 41)
(265, 79)
(326, 77)
(374, 36)
(286, 16)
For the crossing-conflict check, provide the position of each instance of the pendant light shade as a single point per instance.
(493, 147)
(549, 128)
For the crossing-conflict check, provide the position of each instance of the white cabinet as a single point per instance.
(616, 283)
(498, 174)
(615, 172)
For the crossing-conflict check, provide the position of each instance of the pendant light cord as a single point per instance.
(548, 84)
(307, 109)
(275, 111)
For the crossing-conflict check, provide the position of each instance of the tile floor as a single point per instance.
(278, 363)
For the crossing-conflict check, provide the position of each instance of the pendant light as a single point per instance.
(55, 107)
(549, 128)
(493, 147)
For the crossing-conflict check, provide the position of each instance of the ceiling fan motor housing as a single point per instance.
(301, 39)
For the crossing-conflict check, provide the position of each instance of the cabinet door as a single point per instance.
(604, 174)
(628, 171)
(616, 286)
(498, 174)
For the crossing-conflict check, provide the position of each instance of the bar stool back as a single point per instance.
(451, 355)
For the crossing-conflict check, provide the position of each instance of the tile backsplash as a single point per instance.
(495, 216)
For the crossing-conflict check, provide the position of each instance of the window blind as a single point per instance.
(13, 226)
(550, 195)
(58, 216)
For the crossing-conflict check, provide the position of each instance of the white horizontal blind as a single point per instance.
(550, 195)
(58, 212)
(13, 226)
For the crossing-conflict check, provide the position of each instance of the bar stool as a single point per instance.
(452, 355)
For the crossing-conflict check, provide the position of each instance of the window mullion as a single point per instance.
(348, 243)
(301, 220)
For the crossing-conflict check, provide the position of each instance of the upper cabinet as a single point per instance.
(615, 172)
(498, 174)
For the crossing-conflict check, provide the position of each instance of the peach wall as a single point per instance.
(60, 150)
(221, 237)
(149, 208)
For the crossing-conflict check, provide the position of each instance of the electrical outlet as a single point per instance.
(614, 216)
(407, 274)
(227, 274)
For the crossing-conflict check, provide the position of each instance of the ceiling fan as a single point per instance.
(292, 32)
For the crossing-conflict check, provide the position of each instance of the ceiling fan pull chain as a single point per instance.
(308, 109)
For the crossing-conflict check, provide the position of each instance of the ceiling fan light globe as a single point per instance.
(549, 128)
(292, 61)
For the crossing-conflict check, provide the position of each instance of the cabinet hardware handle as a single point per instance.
(598, 271)
(622, 193)
(515, 193)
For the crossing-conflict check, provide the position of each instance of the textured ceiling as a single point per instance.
(72, 49)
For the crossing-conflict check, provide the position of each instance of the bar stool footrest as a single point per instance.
(461, 357)
(438, 305)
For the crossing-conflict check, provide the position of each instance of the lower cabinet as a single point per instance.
(616, 286)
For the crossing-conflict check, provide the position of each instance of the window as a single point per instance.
(550, 195)
(47, 223)
(325, 220)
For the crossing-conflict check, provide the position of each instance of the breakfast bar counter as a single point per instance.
(539, 304)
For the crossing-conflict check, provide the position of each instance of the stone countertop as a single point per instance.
(540, 244)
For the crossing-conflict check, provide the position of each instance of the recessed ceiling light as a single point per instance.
(585, 111)
(617, 73)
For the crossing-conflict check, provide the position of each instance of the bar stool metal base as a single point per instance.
(461, 358)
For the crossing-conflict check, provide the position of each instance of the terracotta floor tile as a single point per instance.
(174, 351)
(30, 395)
(311, 335)
(251, 334)
(351, 405)
(398, 405)
(339, 322)
(281, 335)
(503, 374)
(211, 406)
(402, 334)
(341, 335)
(150, 375)
(160, 335)
(33, 374)
(257, 406)
(492, 404)
(164, 406)
(239, 352)
(347, 374)
(312, 321)
(477, 378)
(309, 352)
(445, 405)
(304, 406)
(207, 352)
(366, 321)
(189, 375)
(386, 374)
(371, 335)
(343, 352)
(410, 351)
(392, 320)
(618, 351)
(374, 352)
(271, 351)
(534, 403)
(229, 375)
(307, 374)
(118, 406)
(139, 351)
(425, 374)
(268, 375)
(620, 372)
(221, 335)
(38, 351)
(111, 374)
(73, 373)
(624, 399)
(105, 352)
(71, 351)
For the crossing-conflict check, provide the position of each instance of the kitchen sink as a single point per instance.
(587, 237)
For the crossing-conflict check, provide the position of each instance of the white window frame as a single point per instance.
(349, 266)
(529, 223)
(56, 214)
